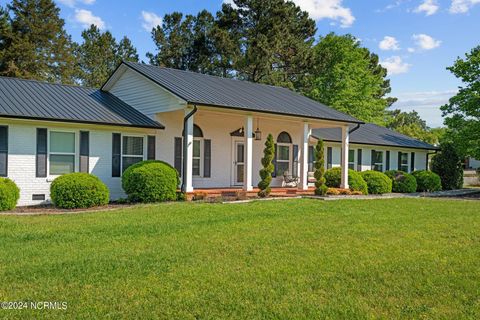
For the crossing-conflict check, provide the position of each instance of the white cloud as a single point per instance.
(73, 3)
(430, 7)
(389, 43)
(231, 3)
(426, 103)
(150, 20)
(86, 18)
(395, 65)
(327, 9)
(425, 42)
(462, 6)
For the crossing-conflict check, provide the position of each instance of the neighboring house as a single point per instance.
(472, 163)
(146, 112)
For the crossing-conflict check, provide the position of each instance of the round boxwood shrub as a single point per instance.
(79, 190)
(402, 182)
(150, 181)
(355, 180)
(427, 181)
(377, 182)
(9, 194)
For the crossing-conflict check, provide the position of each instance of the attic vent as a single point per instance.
(38, 197)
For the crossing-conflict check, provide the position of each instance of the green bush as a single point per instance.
(78, 190)
(150, 181)
(9, 194)
(377, 182)
(427, 181)
(355, 180)
(449, 166)
(402, 182)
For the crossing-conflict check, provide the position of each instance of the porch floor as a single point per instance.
(240, 193)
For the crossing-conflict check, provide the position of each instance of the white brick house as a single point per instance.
(212, 130)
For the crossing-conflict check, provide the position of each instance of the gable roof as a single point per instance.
(372, 134)
(201, 89)
(30, 99)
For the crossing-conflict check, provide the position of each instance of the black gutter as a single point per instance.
(354, 129)
(377, 144)
(185, 147)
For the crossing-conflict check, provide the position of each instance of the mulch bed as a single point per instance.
(50, 209)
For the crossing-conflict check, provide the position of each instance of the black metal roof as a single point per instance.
(196, 88)
(373, 134)
(30, 99)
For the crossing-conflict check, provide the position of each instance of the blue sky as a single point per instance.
(415, 39)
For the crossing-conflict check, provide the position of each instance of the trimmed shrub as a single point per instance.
(319, 174)
(78, 190)
(377, 182)
(150, 181)
(267, 167)
(355, 180)
(9, 194)
(448, 165)
(402, 182)
(427, 181)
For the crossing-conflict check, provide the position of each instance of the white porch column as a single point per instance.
(188, 156)
(247, 177)
(304, 156)
(345, 143)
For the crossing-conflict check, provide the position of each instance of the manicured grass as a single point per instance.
(302, 259)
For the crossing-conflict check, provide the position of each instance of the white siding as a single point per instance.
(22, 159)
(144, 95)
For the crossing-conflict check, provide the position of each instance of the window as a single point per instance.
(403, 162)
(62, 152)
(132, 151)
(377, 160)
(197, 157)
(351, 159)
(284, 143)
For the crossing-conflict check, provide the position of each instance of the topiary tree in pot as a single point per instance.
(448, 165)
(268, 168)
(319, 174)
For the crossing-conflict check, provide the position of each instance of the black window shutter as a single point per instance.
(3, 151)
(399, 164)
(207, 158)
(372, 159)
(178, 150)
(151, 147)
(412, 162)
(359, 159)
(41, 161)
(274, 174)
(84, 151)
(295, 161)
(329, 157)
(116, 154)
(387, 161)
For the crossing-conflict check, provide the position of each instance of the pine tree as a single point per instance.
(268, 168)
(33, 42)
(319, 174)
(99, 55)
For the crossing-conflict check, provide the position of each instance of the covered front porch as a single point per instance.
(220, 151)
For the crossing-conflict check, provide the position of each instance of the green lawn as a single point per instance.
(396, 258)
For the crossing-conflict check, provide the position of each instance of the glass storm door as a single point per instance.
(238, 162)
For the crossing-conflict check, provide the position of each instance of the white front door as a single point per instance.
(238, 162)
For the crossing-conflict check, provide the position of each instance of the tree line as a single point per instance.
(271, 42)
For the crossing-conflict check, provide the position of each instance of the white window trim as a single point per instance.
(407, 164)
(143, 156)
(75, 154)
(354, 163)
(379, 163)
(290, 157)
(202, 158)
